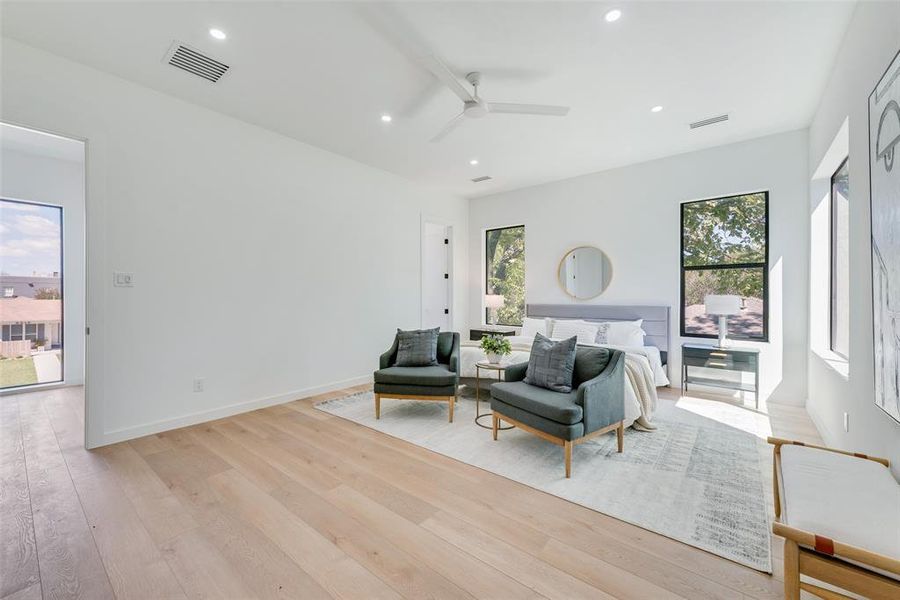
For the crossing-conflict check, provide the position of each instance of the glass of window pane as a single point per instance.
(725, 231)
(748, 283)
(840, 260)
(505, 273)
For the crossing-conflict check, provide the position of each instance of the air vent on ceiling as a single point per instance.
(193, 61)
(482, 178)
(709, 121)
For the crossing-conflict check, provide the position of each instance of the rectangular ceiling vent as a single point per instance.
(709, 121)
(193, 61)
(482, 178)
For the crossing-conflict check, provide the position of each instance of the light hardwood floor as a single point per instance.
(289, 502)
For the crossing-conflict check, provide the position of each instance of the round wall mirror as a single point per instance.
(585, 272)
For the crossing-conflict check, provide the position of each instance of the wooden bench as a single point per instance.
(839, 515)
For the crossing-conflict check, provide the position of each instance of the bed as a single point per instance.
(646, 366)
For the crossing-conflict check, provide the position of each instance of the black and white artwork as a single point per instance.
(884, 173)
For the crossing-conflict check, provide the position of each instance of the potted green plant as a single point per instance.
(495, 347)
(40, 345)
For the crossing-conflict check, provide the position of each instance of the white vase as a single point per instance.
(493, 358)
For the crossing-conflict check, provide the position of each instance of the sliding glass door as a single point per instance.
(31, 305)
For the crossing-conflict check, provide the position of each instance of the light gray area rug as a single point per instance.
(694, 479)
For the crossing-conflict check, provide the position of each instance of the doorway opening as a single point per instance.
(41, 259)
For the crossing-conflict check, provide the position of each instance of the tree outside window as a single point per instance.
(725, 251)
(505, 273)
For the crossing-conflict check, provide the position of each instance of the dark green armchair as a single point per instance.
(596, 404)
(437, 382)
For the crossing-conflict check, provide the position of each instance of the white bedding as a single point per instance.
(470, 353)
(644, 372)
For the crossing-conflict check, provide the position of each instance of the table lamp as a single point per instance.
(722, 306)
(494, 301)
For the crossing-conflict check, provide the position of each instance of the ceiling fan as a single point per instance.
(475, 107)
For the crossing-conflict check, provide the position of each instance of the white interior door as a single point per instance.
(436, 276)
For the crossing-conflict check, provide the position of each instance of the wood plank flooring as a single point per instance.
(289, 502)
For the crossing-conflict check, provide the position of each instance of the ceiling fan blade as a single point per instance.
(450, 126)
(528, 109)
(446, 76)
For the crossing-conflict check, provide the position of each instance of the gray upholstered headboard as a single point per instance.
(656, 318)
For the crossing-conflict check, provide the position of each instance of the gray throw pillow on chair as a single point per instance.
(417, 348)
(551, 364)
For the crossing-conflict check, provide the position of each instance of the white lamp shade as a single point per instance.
(722, 305)
(493, 300)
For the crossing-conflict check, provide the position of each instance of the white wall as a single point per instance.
(266, 266)
(25, 176)
(872, 40)
(632, 214)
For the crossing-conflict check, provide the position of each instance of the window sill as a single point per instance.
(836, 362)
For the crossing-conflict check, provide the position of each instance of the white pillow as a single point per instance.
(621, 333)
(531, 326)
(584, 331)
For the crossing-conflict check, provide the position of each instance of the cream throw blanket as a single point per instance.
(640, 387)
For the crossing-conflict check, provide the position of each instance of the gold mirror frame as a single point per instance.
(562, 262)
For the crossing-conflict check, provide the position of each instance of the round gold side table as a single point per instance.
(499, 368)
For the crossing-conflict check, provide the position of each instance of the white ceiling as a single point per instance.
(324, 73)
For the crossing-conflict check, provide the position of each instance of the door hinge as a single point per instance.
(446, 311)
(446, 275)
(446, 240)
(87, 331)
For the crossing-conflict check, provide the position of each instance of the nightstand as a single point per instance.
(476, 334)
(734, 359)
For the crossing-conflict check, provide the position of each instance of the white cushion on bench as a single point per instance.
(845, 498)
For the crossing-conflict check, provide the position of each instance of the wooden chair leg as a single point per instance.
(568, 448)
(452, 403)
(495, 422)
(377, 406)
(620, 436)
(791, 570)
(775, 488)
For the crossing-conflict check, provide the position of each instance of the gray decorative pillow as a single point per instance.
(551, 363)
(417, 348)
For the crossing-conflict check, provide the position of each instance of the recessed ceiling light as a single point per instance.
(387, 118)
(656, 109)
(473, 162)
(217, 33)
(613, 15)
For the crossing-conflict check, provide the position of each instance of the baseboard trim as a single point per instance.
(128, 433)
(824, 431)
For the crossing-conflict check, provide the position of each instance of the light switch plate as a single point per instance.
(121, 279)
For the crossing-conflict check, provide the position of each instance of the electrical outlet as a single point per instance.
(847, 422)
(198, 384)
(123, 279)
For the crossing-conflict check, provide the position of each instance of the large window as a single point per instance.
(505, 273)
(724, 251)
(840, 260)
(31, 311)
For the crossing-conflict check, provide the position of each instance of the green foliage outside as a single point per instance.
(47, 294)
(17, 371)
(728, 231)
(746, 283)
(506, 273)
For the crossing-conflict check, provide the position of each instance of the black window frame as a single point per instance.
(751, 265)
(832, 256)
(487, 270)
